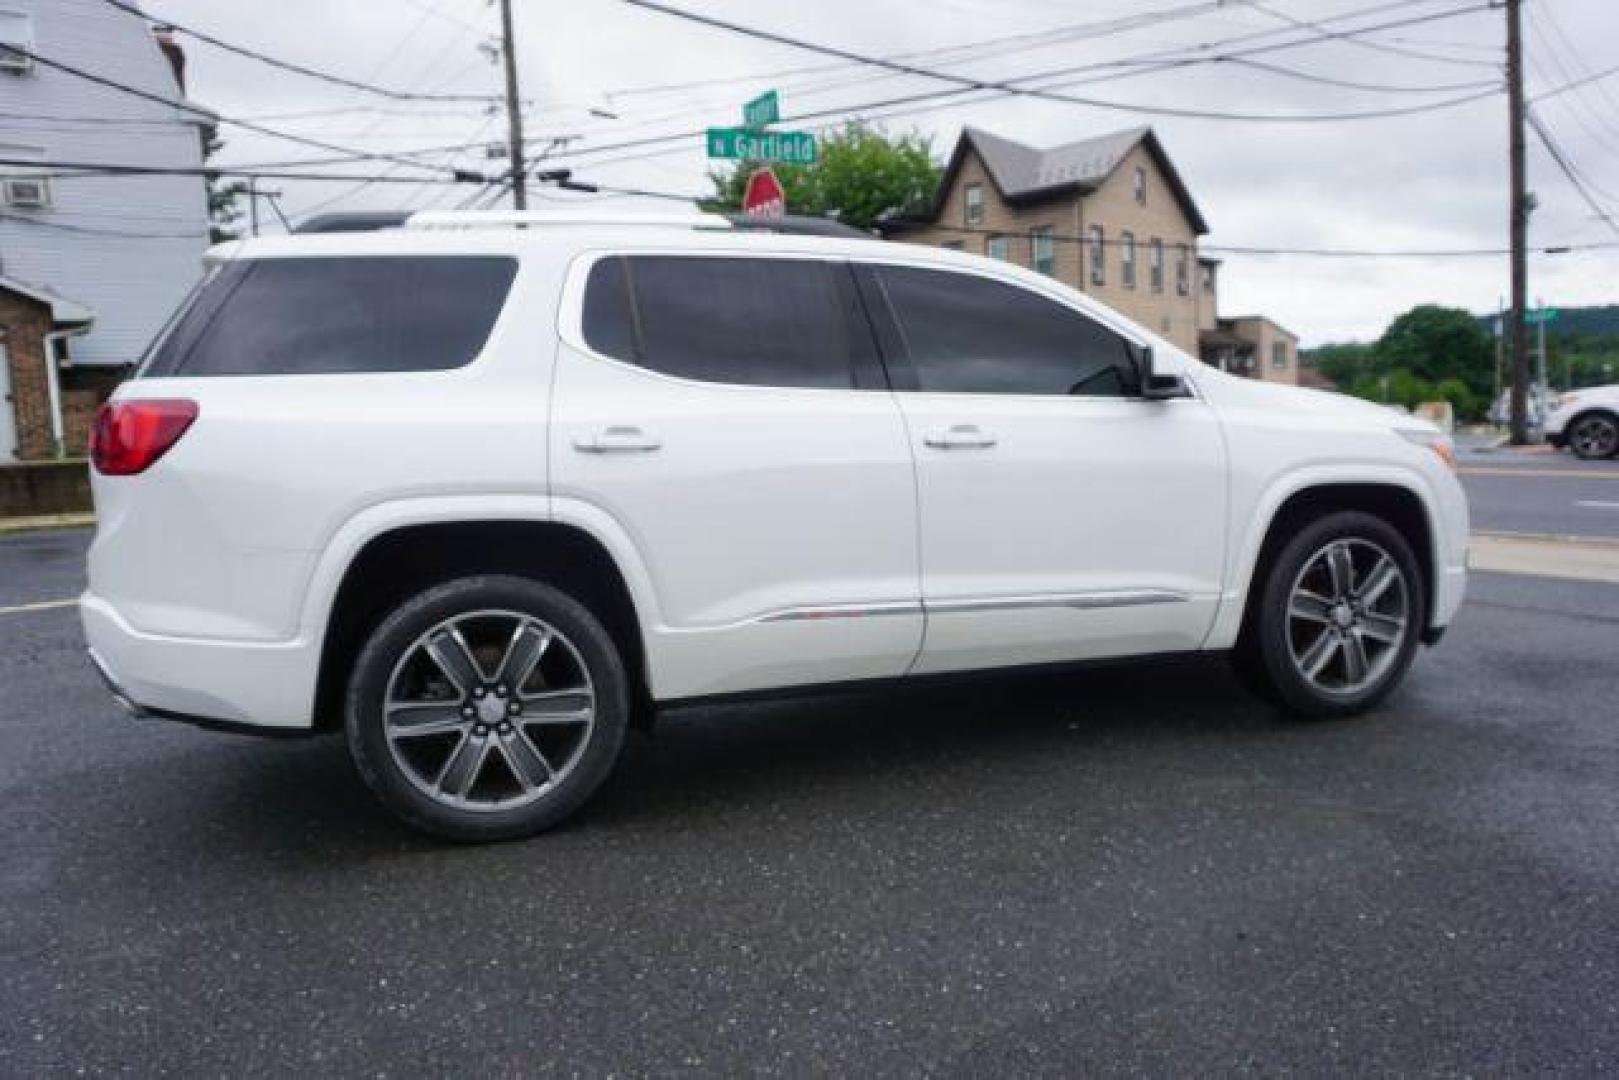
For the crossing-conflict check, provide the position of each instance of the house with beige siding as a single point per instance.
(1110, 216)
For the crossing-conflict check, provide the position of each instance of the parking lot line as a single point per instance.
(39, 605)
(1596, 504)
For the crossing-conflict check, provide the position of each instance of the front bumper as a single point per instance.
(231, 684)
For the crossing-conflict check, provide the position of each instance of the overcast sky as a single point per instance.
(1431, 181)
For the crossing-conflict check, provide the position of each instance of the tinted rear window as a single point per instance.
(757, 322)
(329, 315)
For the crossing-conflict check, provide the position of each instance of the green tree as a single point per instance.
(1344, 363)
(1462, 400)
(1435, 343)
(860, 176)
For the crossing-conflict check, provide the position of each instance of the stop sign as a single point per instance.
(764, 196)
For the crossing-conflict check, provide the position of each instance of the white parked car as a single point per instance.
(1586, 421)
(483, 496)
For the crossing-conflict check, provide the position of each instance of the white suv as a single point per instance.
(482, 491)
(1586, 421)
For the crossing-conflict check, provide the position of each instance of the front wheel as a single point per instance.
(1338, 617)
(1594, 436)
(487, 708)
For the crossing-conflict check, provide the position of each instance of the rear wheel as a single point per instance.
(1594, 435)
(487, 708)
(1339, 615)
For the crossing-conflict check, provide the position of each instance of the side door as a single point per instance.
(1063, 516)
(727, 418)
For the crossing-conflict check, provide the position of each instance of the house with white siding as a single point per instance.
(117, 252)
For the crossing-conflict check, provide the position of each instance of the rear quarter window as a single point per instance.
(745, 321)
(330, 315)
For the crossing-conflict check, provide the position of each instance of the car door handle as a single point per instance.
(960, 437)
(618, 440)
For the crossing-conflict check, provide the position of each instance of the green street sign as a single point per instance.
(792, 147)
(1540, 315)
(762, 110)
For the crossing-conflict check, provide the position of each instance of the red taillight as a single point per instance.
(129, 435)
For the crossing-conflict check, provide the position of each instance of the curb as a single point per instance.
(1600, 542)
(45, 521)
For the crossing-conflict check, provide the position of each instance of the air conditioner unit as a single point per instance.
(26, 192)
(15, 62)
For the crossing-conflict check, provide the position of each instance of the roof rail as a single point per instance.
(545, 219)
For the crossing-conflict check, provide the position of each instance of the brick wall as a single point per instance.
(24, 322)
(28, 488)
(83, 391)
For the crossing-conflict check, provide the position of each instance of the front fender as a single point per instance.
(1253, 524)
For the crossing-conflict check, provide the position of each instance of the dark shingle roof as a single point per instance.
(1023, 171)
(1026, 173)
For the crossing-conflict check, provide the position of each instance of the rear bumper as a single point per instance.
(238, 685)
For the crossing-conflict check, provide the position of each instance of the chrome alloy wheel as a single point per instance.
(1594, 436)
(489, 710)
(1348, 616)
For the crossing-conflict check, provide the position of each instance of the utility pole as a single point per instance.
(253, 205)
(1517, 335)
(514, 109)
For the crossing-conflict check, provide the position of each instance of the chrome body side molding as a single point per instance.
(1110, 598)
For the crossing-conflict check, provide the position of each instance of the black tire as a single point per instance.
(1593, 436)
(386, 649)
(1264, 656)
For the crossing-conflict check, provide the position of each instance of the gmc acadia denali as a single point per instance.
(483, 490)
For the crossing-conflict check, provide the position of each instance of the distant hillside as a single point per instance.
(1583, 322)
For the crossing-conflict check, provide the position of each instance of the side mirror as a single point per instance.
(1156, 386)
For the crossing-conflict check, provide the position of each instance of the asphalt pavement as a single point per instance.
(1541, 492)
(1129, 870)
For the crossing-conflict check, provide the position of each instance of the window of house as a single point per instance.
(754, 322)
(1278, 354)
(1127, 260)
(968, 334)
(1043, 251)
(16, 42)
(1182, 269)
(1098, 255)
(1155, 264)
(1208, 280)
(318, 316)
(996, 248)
(1141, 185)
(974, 201)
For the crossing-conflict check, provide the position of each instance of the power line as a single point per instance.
(1325, 80)
(172, 103)
(1038, 38)
(1568, 169)
(62, 226)
(971, 83)
(77, 170)
(1160, 59)
(1354, 38)
(112, 170)
(1312, 252)
(287, 65)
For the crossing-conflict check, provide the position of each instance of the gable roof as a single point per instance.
(1026, 173)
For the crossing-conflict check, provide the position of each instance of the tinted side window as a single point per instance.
(308, 316)
(757, 322)
(971, 335)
